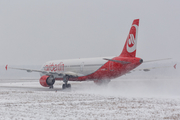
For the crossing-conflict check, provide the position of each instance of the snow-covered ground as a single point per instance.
(121, 99)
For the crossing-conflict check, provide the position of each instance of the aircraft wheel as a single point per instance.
(64, 86)
(51, 87)
(68, 85)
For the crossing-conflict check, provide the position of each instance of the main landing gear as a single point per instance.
(66, 85)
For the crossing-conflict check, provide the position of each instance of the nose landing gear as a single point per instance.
(51, 87)
(50, 81)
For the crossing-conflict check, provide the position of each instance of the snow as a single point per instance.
(28, 100)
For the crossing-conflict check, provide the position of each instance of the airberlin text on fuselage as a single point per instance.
(54, 67)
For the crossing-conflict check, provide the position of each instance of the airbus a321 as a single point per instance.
(100, 70)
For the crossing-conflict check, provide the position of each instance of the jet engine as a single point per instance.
(46, 81)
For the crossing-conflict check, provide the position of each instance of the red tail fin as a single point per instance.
(129, 49)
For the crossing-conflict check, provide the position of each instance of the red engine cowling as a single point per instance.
(46, 81)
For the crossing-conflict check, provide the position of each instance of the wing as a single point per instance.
(70, 74)
(148, 69)
(156, 60)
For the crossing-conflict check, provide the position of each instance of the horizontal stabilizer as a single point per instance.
(118, 61)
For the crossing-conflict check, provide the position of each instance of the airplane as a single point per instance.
(100, 70)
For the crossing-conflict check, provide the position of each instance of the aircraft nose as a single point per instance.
(141, 60)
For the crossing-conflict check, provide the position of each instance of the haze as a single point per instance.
(33, 32)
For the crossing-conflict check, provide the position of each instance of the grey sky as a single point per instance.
(36, 31)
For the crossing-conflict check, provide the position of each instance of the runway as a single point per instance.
(121, 99)
(125, 87)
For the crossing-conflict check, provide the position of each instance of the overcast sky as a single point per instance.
(35, 31)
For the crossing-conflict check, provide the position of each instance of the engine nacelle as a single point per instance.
(46, 81)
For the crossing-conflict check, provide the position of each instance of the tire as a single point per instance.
(51, 87)
(68, 85)
(63, 86)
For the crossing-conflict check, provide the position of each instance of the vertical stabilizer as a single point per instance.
(129, 49)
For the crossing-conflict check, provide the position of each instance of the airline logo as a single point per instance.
(54, 67)
(132, 39)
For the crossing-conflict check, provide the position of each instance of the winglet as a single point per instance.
(6, 67)
(175, 66)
